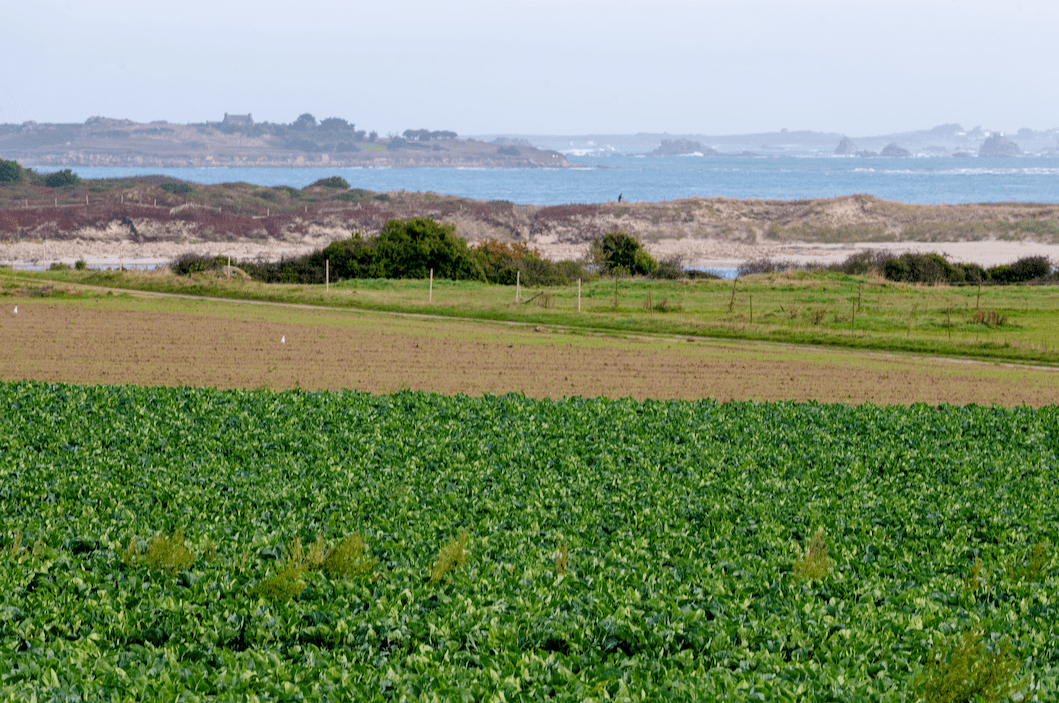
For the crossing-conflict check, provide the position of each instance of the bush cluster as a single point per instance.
(918, 268)
(176, 187)
(66, 177)
(411, 248)
(187, 264)
(505, 263)
(403, 249)
(332, 182)
(13, 172)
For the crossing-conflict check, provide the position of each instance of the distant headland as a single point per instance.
(237, 140)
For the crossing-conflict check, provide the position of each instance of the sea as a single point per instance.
(598, 179)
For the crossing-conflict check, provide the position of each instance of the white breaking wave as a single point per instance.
(963, 171)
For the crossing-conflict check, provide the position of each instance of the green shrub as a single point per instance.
(356, 195)
(620, 252)
(1025, 269)
(187, 264)
(403, 249)
(308, 269)
(410, 248)
(175, 187)
(333, 182)
(353, 258)
(671, 268)
(66, 177)
(291, 192)
(11, 172)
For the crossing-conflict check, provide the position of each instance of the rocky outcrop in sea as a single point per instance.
(999, 146)
(893, 150)
(846, 147)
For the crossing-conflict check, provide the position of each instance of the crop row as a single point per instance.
(512, 549)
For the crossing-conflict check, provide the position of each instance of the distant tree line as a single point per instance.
(425, 135)
(332, 134)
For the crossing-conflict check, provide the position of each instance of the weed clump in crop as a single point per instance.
(283, 586)
(347, 559)
(962, 669)
(16, 545)
(168, 553)
(451, 556)
(18, 552)
(973, 581)
(1030, 568)
(562, 560)
(814, 563)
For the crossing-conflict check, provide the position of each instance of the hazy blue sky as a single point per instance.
(540, 66)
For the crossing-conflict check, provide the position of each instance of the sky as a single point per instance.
(544, 67)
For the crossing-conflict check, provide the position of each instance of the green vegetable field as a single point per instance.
(165, 543)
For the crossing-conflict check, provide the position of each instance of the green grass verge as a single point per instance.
(1018, 323)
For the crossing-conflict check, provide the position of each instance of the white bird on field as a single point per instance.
(283, 339)
(16, 309)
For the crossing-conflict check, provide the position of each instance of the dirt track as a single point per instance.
(119, 340)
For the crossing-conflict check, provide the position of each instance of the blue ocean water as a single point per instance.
(656, 178)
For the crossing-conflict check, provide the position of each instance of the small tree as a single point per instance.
(304, 122)
(11, 171)
(620, 252)
(66, 177)
(335, 124)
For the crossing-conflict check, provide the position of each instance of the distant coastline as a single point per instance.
(239, 142)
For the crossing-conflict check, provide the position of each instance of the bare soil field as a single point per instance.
(149, 340)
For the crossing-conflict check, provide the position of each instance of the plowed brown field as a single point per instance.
(167, 341)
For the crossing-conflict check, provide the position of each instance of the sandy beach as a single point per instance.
(705, 253)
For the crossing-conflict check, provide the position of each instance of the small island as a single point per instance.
(682, 147)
